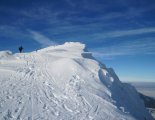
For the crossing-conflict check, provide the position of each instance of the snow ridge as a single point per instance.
(64, 82)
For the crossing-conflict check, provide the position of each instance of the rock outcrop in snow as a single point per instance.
(64, 83)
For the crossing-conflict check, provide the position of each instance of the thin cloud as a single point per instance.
(13, 32)
(142, 46)
(43, 40)
(123, 33)
(136, 78)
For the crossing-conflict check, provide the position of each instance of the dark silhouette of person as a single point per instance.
(20, 49)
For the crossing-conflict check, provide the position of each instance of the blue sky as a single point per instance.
(120, 33)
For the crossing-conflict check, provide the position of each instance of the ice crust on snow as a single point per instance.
(64, 82)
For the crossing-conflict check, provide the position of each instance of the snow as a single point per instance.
(64, 83)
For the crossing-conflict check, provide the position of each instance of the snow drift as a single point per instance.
(64, 83)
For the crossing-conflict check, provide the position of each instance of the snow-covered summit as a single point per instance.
(65, 83)
(68, 46)
(69, 49)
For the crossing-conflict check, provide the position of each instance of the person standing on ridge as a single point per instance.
(20, 49)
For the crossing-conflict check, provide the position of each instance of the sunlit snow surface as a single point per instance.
(64, 83)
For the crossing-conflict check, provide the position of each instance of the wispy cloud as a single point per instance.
(13, 32)
(80, 21)
(136, 79)
(43, 40)
(134, 47)
(123, 33)
(20, 36)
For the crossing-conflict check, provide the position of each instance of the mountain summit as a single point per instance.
(64, 82)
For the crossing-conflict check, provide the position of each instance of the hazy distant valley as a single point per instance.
(147, 89)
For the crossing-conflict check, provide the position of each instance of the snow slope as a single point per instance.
(64, 83)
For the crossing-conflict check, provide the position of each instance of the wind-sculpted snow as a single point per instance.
(5, 54)
(64, 83)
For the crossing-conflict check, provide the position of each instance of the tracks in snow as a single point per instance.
(32, 94)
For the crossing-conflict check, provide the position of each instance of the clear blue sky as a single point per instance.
(120, 33)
